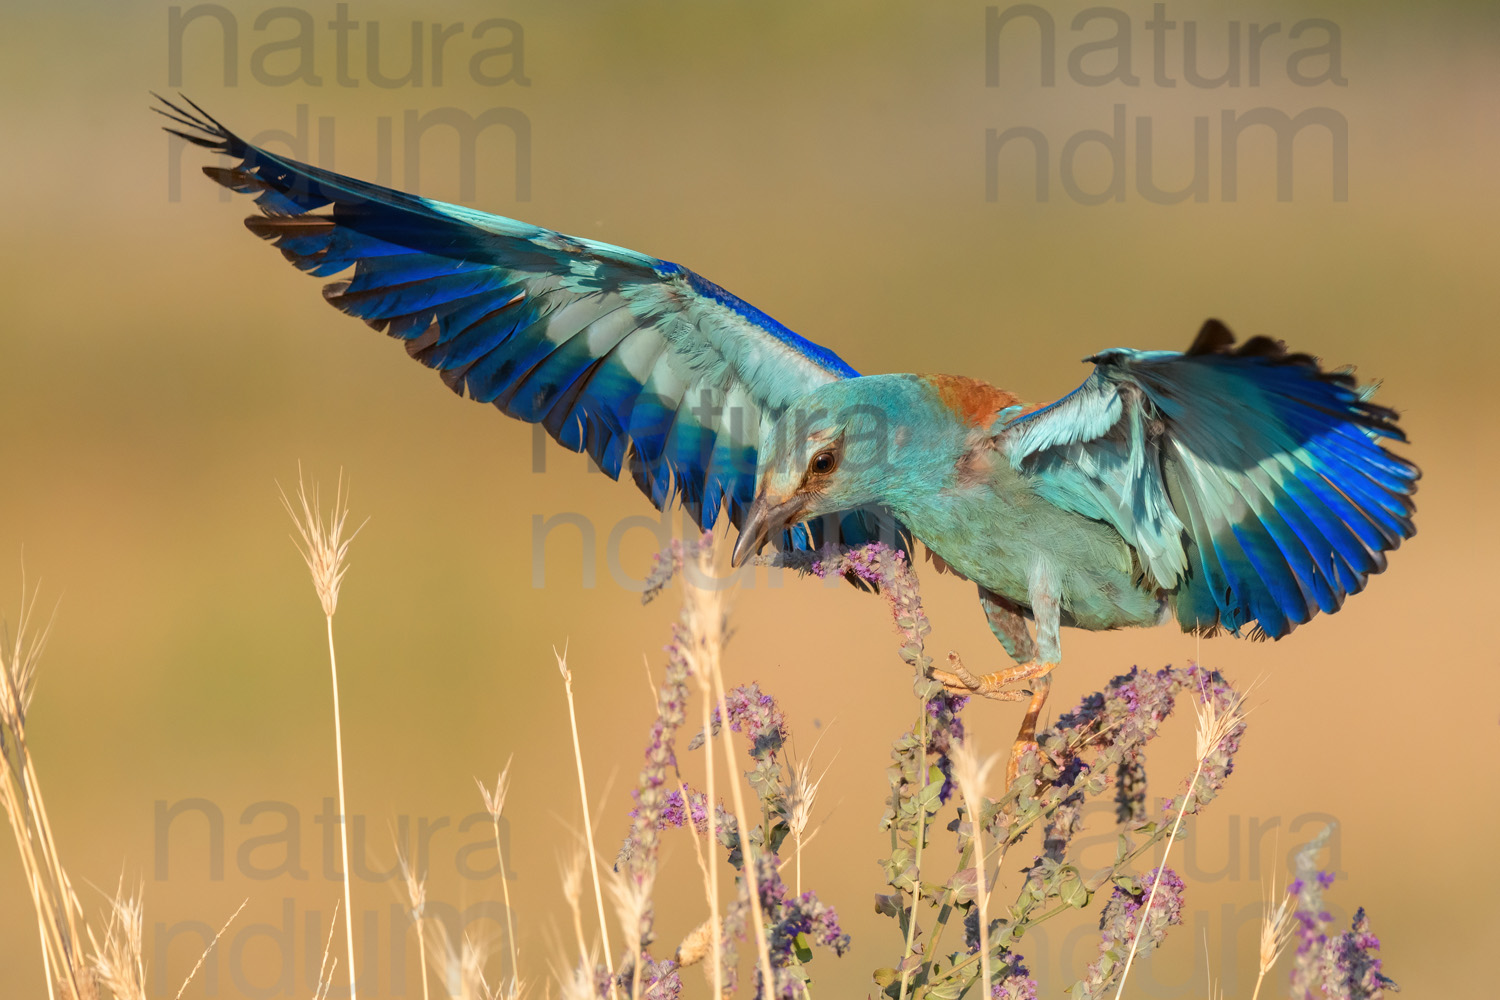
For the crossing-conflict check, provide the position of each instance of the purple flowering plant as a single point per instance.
(1094, 750)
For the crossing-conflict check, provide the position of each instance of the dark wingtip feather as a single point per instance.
(196, 140)
(207, 131)
(1216, 339)
(1213, 338)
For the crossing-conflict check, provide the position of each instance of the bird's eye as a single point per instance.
(824, 462)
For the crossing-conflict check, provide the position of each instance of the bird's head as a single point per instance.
(848, 444)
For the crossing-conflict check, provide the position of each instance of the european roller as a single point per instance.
(1241, 487)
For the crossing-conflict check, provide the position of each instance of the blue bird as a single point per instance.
(1235, 487)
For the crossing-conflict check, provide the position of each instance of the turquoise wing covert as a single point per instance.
(639, 362)
(1251, 483)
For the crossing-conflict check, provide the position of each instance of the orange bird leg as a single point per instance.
(1026, 738)
(1035, 659)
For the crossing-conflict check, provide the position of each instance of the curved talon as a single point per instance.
(960, 680)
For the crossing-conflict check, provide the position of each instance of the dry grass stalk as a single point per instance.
(572, 888)
(416, 896)
(59, 914)
(578, 983)
(1214, 724)
(472, 958)
(631, 895)
(916, 893)
(494, 804)
(1276, 928)
(118, 959)
(703, 941)
(588, 824)
(211, 945)
(1215, 990)
(326, 552)
(329, 963)
(799, 794)
(704, 612)
(972, 775)
(704, 675)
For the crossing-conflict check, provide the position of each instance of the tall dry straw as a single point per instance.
(320, 539)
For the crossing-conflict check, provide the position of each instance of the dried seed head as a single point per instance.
(494, 802)
(971, 773)
(1216, 721)
(416, 887)
(572, 879)
(704, 615)
(18, 660)
(799, 794)
(472, 958)
(579, 982)
(630, 892)
(698, 945)
(1276, 928)
(118, 959)
(322, 544)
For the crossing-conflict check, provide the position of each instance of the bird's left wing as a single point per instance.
(641, 363)
(1249, 481)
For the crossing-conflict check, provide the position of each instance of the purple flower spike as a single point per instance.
(1013, 981)
(1121, 920)
(1329, 965)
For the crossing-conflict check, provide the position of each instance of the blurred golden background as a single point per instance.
(163, 371)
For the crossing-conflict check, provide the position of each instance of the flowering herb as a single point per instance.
(1097, 749)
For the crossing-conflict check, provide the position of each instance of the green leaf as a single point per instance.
(885, 977)
(947, 990)
(1071, 890)
(964, 886)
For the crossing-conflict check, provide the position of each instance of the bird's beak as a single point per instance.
(767, 514)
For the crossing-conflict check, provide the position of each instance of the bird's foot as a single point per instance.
(959, 680)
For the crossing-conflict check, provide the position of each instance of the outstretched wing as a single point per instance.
(1252, 483)
(641, 363)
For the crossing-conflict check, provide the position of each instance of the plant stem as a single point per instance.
(588, 826)
(422, 956)
(338, 746)
(1008, 934)
(747, 862)
(983, 900)
(1146, 910)
(916, 895)
(945, 910)
(710, 806)
(510, 927)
